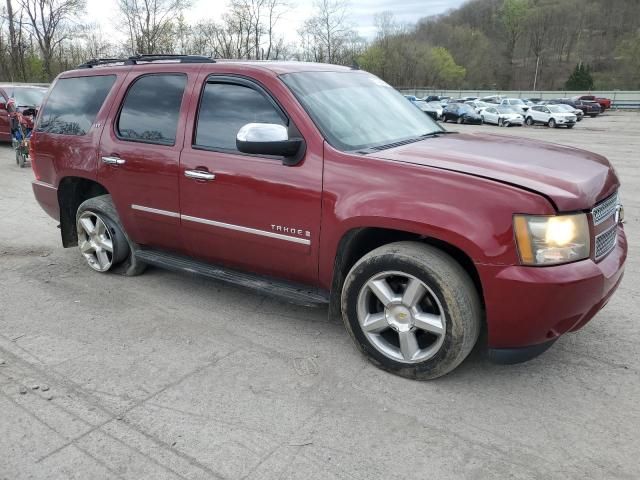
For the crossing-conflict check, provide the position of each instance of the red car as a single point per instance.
(322, 184)
(24, 97)
(604, 103)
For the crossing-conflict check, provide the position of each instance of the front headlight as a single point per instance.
(545, 240)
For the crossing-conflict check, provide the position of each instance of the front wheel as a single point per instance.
(500, 122)
(529, 121)
(411, 309)
(569, 126)
(552, 123)
(460, 120)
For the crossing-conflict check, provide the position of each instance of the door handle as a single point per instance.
(199, 175)
(113, 160)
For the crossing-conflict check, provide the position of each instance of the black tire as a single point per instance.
(444, 119)
(451, 285)
(459, 120)
(124, 261)
(552, 123)
(528, 121)
(500, 122)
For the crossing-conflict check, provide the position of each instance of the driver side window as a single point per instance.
(225, 108)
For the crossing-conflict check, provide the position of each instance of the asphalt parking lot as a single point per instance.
(167, 376)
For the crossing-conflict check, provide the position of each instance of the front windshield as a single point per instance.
(28, 97)
(435, 104)
(466, 108)
(516, 101)
(506, 110)
(555, 108)
(356, 110)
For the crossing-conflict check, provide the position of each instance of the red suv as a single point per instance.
(322, 184)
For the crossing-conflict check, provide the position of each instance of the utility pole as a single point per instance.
(535, 77)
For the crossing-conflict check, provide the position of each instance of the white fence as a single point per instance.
(620, 98)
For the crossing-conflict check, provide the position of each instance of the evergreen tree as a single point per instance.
(580, 78)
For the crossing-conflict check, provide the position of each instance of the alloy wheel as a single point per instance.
(401, 317)
(95, 241)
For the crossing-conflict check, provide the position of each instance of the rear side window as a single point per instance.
(151, 109)
(225, 108)
(73, 104)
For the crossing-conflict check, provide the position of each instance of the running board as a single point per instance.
(291, 292)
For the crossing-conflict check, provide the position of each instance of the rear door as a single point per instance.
(140, 152)
(250, 212)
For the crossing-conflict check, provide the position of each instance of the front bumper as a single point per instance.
(527, 306)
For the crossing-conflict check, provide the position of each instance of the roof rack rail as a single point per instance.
(146, 58)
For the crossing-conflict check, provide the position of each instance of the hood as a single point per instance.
(571, 178)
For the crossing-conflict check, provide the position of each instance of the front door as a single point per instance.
(247, 211)
(140, 154)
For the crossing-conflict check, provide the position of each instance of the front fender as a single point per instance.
(471, 213)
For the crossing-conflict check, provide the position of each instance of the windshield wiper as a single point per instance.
(407, 141)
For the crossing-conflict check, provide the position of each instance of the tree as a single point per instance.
(513, 15)
(149, 23)
(580, 79)
(629, 61)
(50, 22)
(327, 32)
(444, 70)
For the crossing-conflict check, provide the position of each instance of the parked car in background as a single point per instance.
(24, 97)
(493, 99)
(589, 108)
(602, 101)
(576, 111)
(502, 116)
(269, 177)
(479, 105)
(551, 115)
(433, 109)
(532, 101)
(460, 113)
(516, 104)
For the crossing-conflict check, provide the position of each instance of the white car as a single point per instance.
(479, 105)
(515, 103)
(433, 109)
(501, 116)
(550, 115)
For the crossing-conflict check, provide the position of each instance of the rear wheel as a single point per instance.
(411, 309)
(102, 240)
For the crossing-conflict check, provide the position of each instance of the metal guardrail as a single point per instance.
(621, 99)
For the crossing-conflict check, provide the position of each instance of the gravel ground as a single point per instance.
(167, 376)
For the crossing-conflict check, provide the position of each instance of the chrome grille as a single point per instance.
(605, 209)
(606, 241)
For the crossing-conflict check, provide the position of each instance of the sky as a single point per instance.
(361, 13)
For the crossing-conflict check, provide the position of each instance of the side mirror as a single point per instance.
(270, 139)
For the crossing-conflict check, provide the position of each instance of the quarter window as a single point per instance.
(225, 108)
(74, 104)
(151, 109)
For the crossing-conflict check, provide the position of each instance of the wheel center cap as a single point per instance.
(399, 318)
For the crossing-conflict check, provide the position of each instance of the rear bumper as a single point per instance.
(47, 196)
(527, 306)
